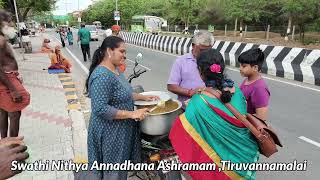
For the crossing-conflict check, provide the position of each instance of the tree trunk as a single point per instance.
(188, 13)
(241, 27)
(25, 13)
(11, 9)
(289, 28)
(300, 33)
(235, 27)
(302, 29)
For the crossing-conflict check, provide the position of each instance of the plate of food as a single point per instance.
(164, 96)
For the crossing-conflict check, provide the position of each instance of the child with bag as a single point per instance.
(254, 87)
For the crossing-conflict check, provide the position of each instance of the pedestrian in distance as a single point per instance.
(115, 30)
(254, 87)
(70, 37)
(62, 37)
(84, 38)
(13, 96)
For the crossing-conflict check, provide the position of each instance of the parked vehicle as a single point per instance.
(32, 27)
(97, 24)
(93, 31)
(151, 24)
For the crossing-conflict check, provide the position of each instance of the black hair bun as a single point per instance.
(226, 96)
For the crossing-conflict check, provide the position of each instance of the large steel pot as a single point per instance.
(160, 124)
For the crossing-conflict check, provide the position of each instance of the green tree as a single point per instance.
(103, 11)
(244, 10)
(301, 12)
(183, 11)
(213, 12)
(27, 8)
(43, 17)
(2, 3)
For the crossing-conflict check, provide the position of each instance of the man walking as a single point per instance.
(84, 37)
(13, 96)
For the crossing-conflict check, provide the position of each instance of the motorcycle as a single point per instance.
(154, 148)
(136, 74)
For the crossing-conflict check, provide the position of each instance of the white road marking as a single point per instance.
(278, 80)
(233, 69)
(83, 67)
(310, 141)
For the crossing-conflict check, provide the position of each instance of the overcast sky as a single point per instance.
(69, 6)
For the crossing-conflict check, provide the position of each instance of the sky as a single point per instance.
(69, 6)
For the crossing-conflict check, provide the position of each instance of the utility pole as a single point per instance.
(18, 23)
(79, 15)
(117, 10)
(66, 3)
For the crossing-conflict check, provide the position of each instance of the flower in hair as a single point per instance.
(215, 68)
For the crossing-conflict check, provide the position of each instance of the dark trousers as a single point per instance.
(85, 48)
(62, 42)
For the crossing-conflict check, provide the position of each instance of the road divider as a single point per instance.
(291, 63)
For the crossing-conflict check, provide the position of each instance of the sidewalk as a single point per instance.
(45, 123)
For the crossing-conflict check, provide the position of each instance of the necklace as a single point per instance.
(116, 73)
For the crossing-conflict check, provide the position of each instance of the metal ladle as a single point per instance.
(161, 104)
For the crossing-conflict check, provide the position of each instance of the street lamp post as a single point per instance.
(18, 23)
(117, 10)
(79, 15)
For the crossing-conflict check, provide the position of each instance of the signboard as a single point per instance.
(117, 15)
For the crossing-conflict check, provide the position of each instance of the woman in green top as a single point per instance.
(70, 37)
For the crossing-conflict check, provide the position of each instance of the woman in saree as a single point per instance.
(45, 48)
(70, 37)
(208, 132)
(58, 61)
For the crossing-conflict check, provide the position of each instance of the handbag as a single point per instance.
(266, 137)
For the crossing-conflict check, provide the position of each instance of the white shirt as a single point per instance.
(108, 32)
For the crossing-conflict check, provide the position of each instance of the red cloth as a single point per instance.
(115, 28)
(180, 139)
(122, 68)
(6, 102)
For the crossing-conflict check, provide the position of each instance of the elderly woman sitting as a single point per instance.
(58, 61)
(45, 47)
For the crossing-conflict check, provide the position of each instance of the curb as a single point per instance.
(79, 130)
